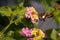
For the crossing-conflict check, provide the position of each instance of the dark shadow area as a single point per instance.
(4, 21)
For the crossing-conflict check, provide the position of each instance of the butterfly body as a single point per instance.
(44, 16)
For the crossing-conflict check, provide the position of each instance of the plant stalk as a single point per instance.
(3, 30)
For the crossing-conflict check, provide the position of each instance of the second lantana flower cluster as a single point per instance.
(32, 34)
(32, 14)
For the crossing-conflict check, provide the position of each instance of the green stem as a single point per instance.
(11, 21)
(3, 30)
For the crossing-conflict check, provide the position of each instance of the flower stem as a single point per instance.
(3, 30)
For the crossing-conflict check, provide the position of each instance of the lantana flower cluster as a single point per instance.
(26, 32)
(32, 14)
(36, 33)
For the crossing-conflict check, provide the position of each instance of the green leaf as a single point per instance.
(58, 29)
(19, 11)
(27, 22)
(18, 20)
(48, 32)
(57, 16)
(5, 11)
(3, 37)
(54, 34)
(10, 33)
(8, 38)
